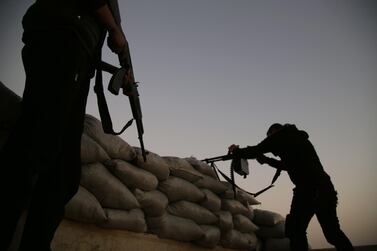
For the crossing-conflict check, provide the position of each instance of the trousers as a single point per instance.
(41, 160)
(322, 203)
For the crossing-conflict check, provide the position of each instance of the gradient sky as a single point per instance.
(217, 72)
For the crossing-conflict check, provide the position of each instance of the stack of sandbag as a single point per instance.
(104, 198)
(175, 198)
(10, 109)
(271, 230)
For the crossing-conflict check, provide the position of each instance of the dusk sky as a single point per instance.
(217, 72)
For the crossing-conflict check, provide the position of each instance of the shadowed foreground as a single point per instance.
(361, 248)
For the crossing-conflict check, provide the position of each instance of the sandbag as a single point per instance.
(250, 213)
(176, 228)
(225, 221)
(211, 237)
(115, 147)
(153, 203)
(273, 244)
(246, 198)
(154, 164)
(241, 195)
(181, 168)
(211, 184)
(276, 231)
(202, 167)
(178, 189)
(237, 240)
(10, 111)
(91, 151)
(243, 224)
(234, 206)
(132, 220)
(109, 191)
(132, 176)
(192, 211)
(211, 201)
(84, 207)
(266, 217)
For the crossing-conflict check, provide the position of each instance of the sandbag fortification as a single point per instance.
(171, 197)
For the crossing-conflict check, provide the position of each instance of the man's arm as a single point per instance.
(274, 141)
(278, 164)
(116, 39)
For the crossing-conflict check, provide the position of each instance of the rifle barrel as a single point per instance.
(219, 158)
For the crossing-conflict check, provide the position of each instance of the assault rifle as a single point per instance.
(121, 78)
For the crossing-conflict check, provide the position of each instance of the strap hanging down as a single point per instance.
(107, 123)
(231, 181)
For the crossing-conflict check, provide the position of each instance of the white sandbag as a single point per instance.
(276, 231)
(202, 167)
(132, 220)
(241, 195)
(91, 151)
(153, 203)
(178, 189)
(109, 191)
(212, 184)
(266, 217)
(84, 207)
(225, 222)
(272, 244)
(234, 206)
(115, 147)
(211, 201)
(181, 168)
(237, 240)
(176, 228)
(243, 224)
(132, 176)
(211, 237)
(192, 211)
(246, 198)
(154, 164)
(250, 213)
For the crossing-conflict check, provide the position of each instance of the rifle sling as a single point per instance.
(231, 181)
(107, 123)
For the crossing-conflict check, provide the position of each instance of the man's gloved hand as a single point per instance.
(262, 159)
(233, 148)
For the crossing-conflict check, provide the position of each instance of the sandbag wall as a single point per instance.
(10, 109)
(171, 197)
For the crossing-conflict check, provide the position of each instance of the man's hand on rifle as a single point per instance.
(129, 79)
(233, 148)
(127, 82)
(262, 159)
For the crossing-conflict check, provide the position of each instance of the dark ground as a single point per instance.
(361, 248)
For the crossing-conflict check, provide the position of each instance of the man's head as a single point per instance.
(274, 128)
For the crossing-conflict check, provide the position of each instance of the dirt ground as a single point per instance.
(362, 248)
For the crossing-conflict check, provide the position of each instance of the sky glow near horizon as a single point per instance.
(217, 72)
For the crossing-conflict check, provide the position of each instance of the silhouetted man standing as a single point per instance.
(314, 193)
(41, 161)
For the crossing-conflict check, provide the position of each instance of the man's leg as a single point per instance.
(54, 74)
(15, 188)
(297, 222)
(328, 219)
